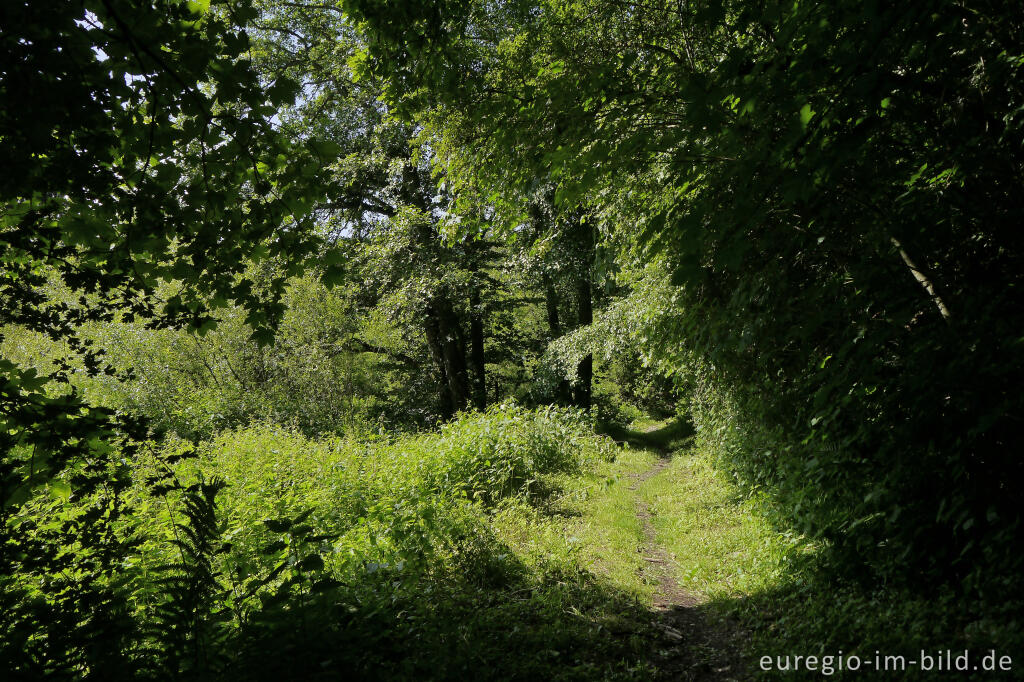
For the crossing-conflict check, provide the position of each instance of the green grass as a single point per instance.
(718, 542)
(506, 546)
(611, 533)
(488, 550)
(605, 522)
(662, 435)
(775, 587)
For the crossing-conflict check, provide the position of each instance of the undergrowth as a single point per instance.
(505, 546)
(264, 554)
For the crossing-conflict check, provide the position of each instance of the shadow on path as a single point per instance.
(662, 439)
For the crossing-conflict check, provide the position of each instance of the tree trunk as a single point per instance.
(585, 370)
(444, 398)
(562, 392)
(551, 301)
(476, 349)
(447, 345)
(923, 280)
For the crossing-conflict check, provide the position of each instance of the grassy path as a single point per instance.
(691, 542)
(625, 570)
(692, 647)
(646, 566)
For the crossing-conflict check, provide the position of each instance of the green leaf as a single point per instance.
(277, 525)
(273, 547)
(60, 489)
(18, 497)
(312, 563)
(199, 6)
(806, 114)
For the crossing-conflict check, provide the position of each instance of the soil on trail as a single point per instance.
(691, 647)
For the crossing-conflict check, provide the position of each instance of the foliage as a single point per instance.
(311, 376)
(65, 597)
(834, 190)
(186, 621)
(139, 147)
(401, 520)
(263, 241)
(351, 533)
(159, 163)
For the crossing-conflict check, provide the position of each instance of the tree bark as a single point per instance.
(447, 346)
(585, 370)
(476, 349)
(585, 293)
(562, 391)
(923, 280)
(551, 301)
(444, 398)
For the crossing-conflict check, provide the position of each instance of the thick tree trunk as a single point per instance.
(551, 301)
(585, 370)
(447, 345)
(476, 349)
(444, 398)
(562, 392)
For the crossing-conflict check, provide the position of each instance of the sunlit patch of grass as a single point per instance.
(610, 532)
(646, 423)
(590, 523)
(661, 435)
(720, 545)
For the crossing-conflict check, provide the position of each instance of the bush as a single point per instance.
(196, 387)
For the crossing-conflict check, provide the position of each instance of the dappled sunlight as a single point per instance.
(517, 340)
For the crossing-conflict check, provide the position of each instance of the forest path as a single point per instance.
(691, 646)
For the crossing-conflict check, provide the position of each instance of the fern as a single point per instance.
(187, 623)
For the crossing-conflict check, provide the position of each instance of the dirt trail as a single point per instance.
(691, 648)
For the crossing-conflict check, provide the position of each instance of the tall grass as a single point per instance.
(367, 557)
